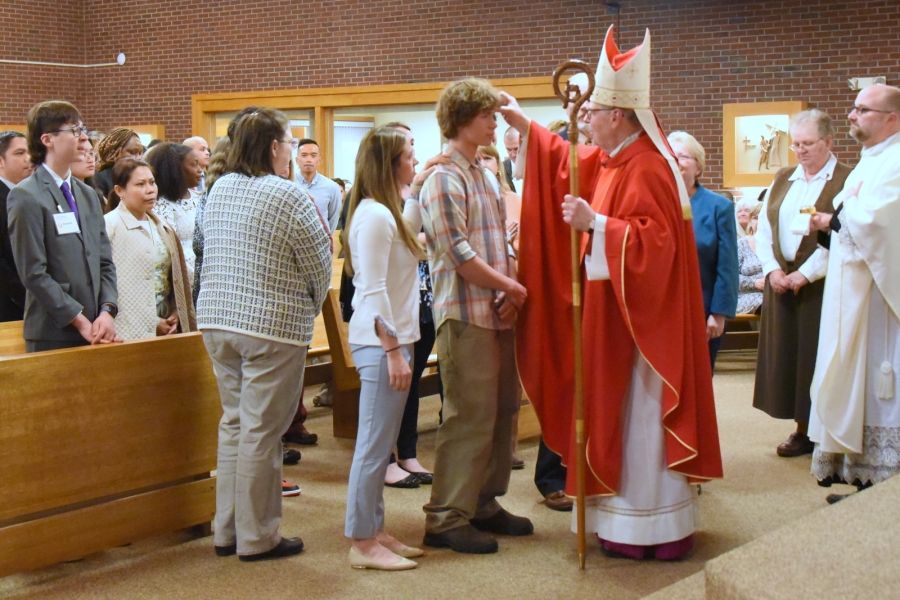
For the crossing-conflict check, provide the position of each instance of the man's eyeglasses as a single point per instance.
(295, 143)
(796, 146)
(76, 130)
(862, 110)
(589, 112)
(683, 158)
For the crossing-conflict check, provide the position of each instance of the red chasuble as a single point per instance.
(652, 304)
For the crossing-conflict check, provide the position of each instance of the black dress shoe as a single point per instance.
(504, 523)
(304, 438)
(410, 481)
(226, 550)
(835, 498)
(465, 539)
(286, 547)
(517, 463)
(290, 457)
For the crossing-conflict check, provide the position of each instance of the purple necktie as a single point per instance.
(70, 199)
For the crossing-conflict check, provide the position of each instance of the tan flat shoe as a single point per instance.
(358, 561)
(409, 552)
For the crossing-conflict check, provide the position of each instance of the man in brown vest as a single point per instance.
(795, 268)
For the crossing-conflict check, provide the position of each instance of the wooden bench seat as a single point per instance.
(102, 446)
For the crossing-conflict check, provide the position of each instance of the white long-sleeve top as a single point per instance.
(385, 274)
(801, 193)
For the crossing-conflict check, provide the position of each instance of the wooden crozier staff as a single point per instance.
(573, 96)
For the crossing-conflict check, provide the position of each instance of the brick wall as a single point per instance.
(705, 52)
(27, 36)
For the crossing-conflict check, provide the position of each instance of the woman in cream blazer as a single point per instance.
(154, 288)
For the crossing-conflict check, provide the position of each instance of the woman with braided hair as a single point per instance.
(118, 143)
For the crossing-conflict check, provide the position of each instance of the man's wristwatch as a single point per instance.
(112, 309)
(591, 226)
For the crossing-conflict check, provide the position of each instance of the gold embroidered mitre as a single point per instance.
(623, 79)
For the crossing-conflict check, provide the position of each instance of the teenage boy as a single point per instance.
(59, 241)
(14, 167)
(476, 297)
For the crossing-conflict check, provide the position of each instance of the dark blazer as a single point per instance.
(12, 292)
(716, 235)
(102, 182)
(508, 168)
(63, 274)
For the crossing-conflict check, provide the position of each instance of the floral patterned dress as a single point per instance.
(180, 215)
(749, 270)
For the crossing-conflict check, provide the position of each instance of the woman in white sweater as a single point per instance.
(383, 258)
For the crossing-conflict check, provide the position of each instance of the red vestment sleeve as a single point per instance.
(544, 330)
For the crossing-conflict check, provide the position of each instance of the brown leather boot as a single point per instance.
(796, 445)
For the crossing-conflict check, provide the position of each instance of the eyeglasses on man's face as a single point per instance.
(589, 112)
(683, 158)
(862, 110)
(75, 130)
(797, 146)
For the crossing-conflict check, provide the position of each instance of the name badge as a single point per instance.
(66, 223)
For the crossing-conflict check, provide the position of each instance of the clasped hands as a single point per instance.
(101, 331)
(508, 302)
(782, 283)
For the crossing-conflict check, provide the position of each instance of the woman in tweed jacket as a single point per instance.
(266, 269)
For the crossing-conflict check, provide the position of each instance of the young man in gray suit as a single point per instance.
(59, 241)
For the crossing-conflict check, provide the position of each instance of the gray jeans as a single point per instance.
(380, 413)
(260, 385)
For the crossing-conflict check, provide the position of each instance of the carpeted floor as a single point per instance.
(760, 493)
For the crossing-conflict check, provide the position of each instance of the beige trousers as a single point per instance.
(473, 449)
(259, 384)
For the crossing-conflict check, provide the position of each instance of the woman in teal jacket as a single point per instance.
(716, 235)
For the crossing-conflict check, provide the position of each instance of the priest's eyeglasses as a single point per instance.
(797, 146)
(589, 112)
(75, 131)
(862, 110)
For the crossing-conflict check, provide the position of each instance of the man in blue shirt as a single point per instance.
(326, 194)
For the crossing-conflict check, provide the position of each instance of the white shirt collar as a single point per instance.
(880, 147)
(826, 172)
(7, 183)
(626, 142)
(59, 180)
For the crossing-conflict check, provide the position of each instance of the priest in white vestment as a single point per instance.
(855, 417)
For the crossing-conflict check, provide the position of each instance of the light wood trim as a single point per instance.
(11, 341)
(20, 127)
(323, 125)
(345, 375)
(72, 535)
(154, 131)
(354, 119)
(128, 416)
(205, 106)
(730, 112)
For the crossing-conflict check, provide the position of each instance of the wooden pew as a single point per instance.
(102, 446)
(740, 334)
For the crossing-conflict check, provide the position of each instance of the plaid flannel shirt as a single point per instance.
(464, 217)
